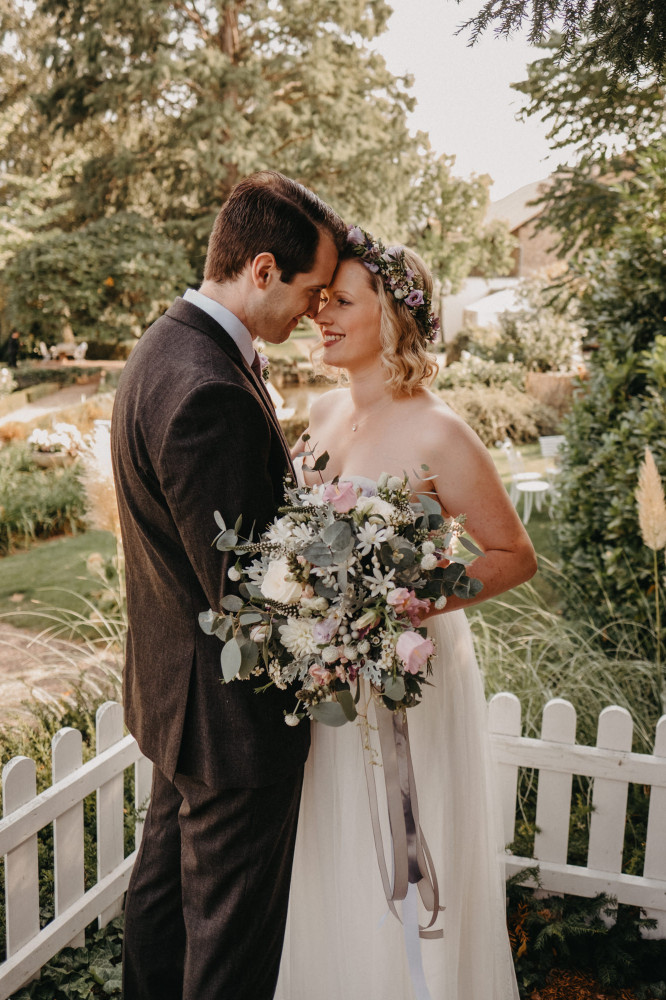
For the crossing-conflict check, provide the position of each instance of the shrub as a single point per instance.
(472, 371)
(36, 503)
(496, 414)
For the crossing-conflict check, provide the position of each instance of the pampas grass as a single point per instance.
(652, 522)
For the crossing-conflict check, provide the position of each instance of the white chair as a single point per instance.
(44, 351)
(550, 448)
(532, 491)
(517, 470)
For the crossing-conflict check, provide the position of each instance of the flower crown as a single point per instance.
(398, 278)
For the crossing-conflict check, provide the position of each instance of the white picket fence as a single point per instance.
(555, 755)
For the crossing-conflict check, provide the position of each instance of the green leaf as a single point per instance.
(237, 525)
(250, 618)
(232, 603)
(249, 658)
(471, 547)
(321, 462)
(394, 688)
(338, 535)
(429, 505)
(346, 700)
(231, 659)
(219, 520)
(318, 553)
(227, 540)
(330, 713)
(208, 621)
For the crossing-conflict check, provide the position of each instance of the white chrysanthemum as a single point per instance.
(296, 636)
(371, 536)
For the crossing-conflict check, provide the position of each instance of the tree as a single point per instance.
(627, 36)
(106, 281)
(622, 409)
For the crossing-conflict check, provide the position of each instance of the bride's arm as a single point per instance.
(467, 482)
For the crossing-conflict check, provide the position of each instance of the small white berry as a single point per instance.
(292, 720)
(440, 602)
(233, 573)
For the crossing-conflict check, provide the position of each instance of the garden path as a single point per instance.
(60, 400)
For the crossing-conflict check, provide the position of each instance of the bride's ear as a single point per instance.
(264, 270)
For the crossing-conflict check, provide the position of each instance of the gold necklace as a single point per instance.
(361, 420)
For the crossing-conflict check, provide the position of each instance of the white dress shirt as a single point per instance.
(238, 332)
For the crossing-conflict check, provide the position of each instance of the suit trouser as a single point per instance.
(207, 901)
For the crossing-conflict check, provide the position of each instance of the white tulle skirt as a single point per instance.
(341, 944)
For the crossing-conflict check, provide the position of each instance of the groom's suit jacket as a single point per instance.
(193, 431)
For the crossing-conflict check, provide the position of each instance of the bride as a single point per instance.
(340, 943)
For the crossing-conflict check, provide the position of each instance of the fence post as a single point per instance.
(504, 720)
(110, 803)
(554, 790)
(609, 797)
(655, 841)
(19, 786)
(68, 870)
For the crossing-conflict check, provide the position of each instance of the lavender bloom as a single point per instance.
(415, 298)
(324, 630)
(355, 236)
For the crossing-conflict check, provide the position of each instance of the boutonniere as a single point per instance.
(265, 367)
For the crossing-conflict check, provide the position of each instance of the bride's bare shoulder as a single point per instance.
(328, 404)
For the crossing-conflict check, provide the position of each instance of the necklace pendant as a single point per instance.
(354, 426)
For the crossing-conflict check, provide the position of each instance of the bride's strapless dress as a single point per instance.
(340, 943)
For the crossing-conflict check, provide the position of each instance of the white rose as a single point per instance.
(375, 505)
(276, 587)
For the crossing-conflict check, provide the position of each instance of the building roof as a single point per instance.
(514, 209)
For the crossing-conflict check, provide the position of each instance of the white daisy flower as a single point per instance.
(371, 536)
(379, 583)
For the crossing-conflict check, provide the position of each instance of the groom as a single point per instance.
(194, 431)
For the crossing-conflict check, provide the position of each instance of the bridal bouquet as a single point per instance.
(341, 582)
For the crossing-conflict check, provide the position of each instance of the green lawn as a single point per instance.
(51, 573)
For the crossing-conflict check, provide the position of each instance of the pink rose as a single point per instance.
(414, 651)
(407, 603)
(342, 495)
(321, 675)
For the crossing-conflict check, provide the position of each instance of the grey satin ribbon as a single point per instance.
(412, 860)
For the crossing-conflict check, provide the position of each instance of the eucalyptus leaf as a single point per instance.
(231, 659)
(394, 688)
(346, 700)
(208, 621)
(330, 713)
(429, 505)
(252, 589)
(227, 540)
(249, 658)
(224, 627)
(337, 535)
(237, 525)
(232, 603)
(318, 553)
(321, 590)
(250, 618)
(321, 462)
(471, 547)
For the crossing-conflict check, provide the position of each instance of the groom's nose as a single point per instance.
(313, 305)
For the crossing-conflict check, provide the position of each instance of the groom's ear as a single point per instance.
(264, 270)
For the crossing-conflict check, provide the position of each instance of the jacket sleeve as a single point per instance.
(215, 456)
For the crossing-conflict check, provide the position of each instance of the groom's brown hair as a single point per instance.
(270, 213)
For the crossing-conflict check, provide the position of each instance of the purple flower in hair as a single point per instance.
(415, 298)
(355, 236)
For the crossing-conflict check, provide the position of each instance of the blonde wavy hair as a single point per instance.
(408, 364)
(405, 358)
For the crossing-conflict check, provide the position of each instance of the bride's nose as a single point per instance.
(322, 317)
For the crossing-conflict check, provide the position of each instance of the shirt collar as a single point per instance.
(238, 332)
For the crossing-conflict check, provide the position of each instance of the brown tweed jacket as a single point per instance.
(194, 432)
